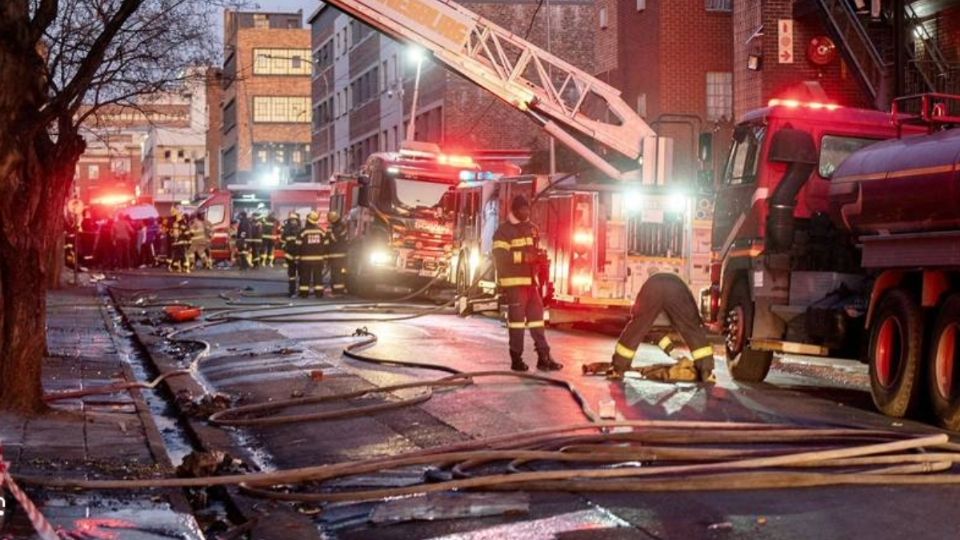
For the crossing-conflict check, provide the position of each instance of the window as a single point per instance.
(281, 61)
(720, 5)
(742, 164)
(719, 95)
(261, 20)
(834, 149)
(166, 154)
(281, 109)
(180, 154)
(93, 172)
(604, 23)
(215, 214)
(641, 5)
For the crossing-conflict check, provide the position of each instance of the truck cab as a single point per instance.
(775, 249)
(399, 210)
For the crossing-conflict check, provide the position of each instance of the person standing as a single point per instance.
(666, 293)
(104, 247)
(515, 253)
(336, 246)
(291, 236)
(88, 238)
(199, 242)
(310, 256)
(123, 236)
(256, 239)
(269, 239)
(180, 231)
(243, 235)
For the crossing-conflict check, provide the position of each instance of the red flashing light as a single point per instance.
(582, 281)
(455, 161)
(113, 199)
(796, 104)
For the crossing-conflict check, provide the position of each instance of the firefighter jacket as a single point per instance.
(256, 231)
(515, 253)
(336, 240)
(180, 232)
(291, 236)
(270, 228)
(243, 229)
(310, 247)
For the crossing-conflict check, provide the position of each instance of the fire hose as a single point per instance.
(875, 457)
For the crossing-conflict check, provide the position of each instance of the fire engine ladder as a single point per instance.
(557, 95)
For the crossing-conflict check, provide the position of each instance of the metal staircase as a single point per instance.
(858, 48)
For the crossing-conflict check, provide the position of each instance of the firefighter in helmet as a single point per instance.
(243, 240)
(336, 247)
(269, 239)
(180, 232)
(665, 293)
(291, 236)
(256, 240)
(310, 256)
(515, 253)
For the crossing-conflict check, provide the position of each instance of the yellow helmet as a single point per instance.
(313, 218)
(333, 216)
(294, 215)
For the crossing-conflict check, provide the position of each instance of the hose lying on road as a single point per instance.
(697, 455)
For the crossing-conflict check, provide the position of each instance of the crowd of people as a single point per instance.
(181, 243)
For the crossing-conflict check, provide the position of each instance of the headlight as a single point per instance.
(474, 261)
(380, 257)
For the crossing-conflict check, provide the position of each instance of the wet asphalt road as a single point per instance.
(812, 392)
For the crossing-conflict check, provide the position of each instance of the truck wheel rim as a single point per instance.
(735, 329)
(888, 350)
(946, 357)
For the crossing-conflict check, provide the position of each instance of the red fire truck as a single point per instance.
(829, 241)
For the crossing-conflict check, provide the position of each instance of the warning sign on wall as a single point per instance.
(785, 41)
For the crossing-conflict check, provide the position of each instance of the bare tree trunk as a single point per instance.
(22, 330)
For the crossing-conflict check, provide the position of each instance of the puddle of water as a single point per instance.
(175, 437)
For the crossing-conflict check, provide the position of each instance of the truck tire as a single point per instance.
(895, 354)
(744, 363)
(942, 367)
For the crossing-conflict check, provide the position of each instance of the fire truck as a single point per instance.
(836, 232)
(603, 235)
(221, 207)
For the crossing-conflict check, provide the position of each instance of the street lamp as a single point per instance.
(416, 54)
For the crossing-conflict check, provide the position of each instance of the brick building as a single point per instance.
(266, 99)
(866, 70)
(363, 87)
(209, 165)
(673, 60)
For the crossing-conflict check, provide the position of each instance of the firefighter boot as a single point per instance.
(546, 363)
(517, 363)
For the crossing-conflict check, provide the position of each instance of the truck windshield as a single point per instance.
(419, 194)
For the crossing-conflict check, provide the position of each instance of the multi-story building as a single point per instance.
(363, 86)
(266, 100)
(861, 52)
(674, 62)
(109, 169)
(172, 165)
(209, 166)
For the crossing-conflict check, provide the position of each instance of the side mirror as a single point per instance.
(706, 147)
(363, 193)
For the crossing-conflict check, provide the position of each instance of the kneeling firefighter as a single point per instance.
(515, 253)
(311, 252)
(665, 293)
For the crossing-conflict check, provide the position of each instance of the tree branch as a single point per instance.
(45, 15)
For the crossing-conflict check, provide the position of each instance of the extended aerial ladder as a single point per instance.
(554, 93)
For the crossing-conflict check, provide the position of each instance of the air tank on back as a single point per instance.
(905, 185)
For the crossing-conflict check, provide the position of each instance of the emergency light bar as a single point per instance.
(796, 104)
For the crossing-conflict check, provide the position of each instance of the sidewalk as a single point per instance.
(100, 436)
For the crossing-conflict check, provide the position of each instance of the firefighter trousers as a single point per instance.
(665, 293)
(267, 256)
(291, 275)
(178, 261)
(242, 254)
(256, 246)
(338, 272)
(311, 278)
(525, 311)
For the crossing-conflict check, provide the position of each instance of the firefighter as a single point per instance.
(515, 252)
(243, 246)
(181, 241)
(291, 235)
(310, 257)
(666, 293)
(199, 243)
(336, 246)
(256, 240)
(269, 239)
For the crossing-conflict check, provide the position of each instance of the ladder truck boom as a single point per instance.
(554, 93)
